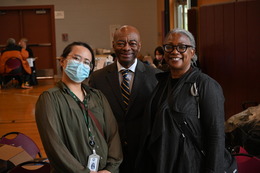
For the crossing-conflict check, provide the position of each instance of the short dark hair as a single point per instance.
(159, 49)
(69, 47)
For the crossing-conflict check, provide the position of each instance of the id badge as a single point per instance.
(93, 161)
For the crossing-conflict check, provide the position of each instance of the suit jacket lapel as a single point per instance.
(137, 84)
(113, 80)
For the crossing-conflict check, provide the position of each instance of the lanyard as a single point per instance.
(84, 107)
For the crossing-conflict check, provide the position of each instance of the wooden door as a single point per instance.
(10, 24)
(36, 23)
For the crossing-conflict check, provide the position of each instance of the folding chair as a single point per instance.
(15, 71)
(247, 163)
(31, 167)
(21, 140)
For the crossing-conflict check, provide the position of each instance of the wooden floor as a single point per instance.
(17, 107)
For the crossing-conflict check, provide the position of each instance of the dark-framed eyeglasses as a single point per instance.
(180, 48)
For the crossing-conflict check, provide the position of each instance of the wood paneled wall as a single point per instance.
(208, 2)
(228, 36)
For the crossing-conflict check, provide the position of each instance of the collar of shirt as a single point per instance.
(130, 75)
(131, 68)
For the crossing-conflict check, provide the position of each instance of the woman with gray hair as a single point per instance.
(184, 124)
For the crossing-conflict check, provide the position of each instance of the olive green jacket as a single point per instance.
(65, 135)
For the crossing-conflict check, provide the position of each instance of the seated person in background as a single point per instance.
(14, 51)
(148, 60)
(159, 61)
(31, 60)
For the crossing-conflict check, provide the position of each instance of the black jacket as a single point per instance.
(163, 145)
(130, 121)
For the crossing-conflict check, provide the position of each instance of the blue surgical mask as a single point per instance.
(77, 71)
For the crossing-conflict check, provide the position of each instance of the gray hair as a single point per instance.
(10, 41)
(190, 37)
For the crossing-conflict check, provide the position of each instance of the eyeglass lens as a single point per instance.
(78, 59)
(180, 48)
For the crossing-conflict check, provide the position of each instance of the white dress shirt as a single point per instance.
(130, 75)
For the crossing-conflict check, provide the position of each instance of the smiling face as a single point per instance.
(179, 63)
(126, 45)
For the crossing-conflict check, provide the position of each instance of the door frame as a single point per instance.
(53, 37)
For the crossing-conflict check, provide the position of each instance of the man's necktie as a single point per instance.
(125, 87)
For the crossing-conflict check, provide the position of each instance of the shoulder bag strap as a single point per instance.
(96, 122)
(189, 134)
(182, 126)
(185, 131)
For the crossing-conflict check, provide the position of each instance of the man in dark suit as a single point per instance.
(142, 81)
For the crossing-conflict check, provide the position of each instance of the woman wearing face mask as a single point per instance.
(159, 61)
(77, 127)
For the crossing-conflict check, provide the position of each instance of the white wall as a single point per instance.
(90, 20)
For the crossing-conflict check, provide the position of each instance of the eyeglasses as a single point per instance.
(78, 58)
(180, 48)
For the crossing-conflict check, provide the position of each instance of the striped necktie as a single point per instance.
(125, 87)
